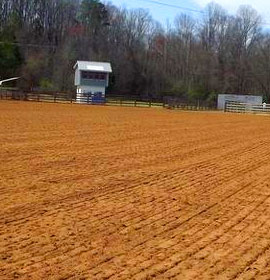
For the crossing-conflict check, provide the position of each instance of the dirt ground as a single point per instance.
(131, 193)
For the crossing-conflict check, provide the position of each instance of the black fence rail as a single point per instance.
(54, 98)
(184, 104)
(127, 101)
(133, 103)
(191, 107)
(37, 96)
(11, 94)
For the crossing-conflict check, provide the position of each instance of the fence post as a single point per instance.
(135, 103)
(38, 97)
(71, 98)
(150, 104)
(120, 102)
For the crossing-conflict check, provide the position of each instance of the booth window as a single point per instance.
(93, 76)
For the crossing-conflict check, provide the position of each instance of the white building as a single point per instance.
(91, 80)
(249, 99)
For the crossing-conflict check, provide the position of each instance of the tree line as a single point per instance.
(192, 58)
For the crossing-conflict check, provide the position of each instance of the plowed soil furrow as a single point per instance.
(215, 233)
(127, 193)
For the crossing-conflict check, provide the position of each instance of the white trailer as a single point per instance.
(247, 99)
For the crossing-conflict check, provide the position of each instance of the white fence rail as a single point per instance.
(245, 108)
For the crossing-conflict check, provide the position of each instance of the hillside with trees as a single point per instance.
(193, 58)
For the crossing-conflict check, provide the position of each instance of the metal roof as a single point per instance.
(94, 66)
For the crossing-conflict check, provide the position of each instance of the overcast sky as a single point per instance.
(162, 13)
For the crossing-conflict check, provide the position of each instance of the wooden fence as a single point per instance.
(36, 96)
(246, 108)
(65, 97)
(191, 107)
(71, 98)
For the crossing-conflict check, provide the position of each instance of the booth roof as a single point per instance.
(93, 66)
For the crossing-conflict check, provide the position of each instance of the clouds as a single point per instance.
(262, 6)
